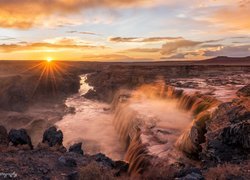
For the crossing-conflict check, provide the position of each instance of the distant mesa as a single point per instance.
(228, 60)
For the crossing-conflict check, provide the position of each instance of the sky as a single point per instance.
(124, 30)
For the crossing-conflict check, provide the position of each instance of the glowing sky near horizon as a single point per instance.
(123, 30)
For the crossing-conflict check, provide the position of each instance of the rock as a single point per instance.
(185, 171)
(91, 94)
(104, 160)
(237, 135)
(69, 162)
(3, 136)
(19, 137)
(245, 91)
(122, 167)
(230, 112)
(53, 137)
(228, 134)
(76, 148)
(193, 176)
(45, 178)
(189, 173)
(70, 110)
(73, 176)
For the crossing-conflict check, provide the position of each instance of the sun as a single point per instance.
(49, 59)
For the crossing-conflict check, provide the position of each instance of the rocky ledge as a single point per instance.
(51, 160)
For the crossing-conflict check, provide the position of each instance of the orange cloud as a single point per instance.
(25, 14)
(173, 47)
(44, 46)
(113, 58)
(234, 17)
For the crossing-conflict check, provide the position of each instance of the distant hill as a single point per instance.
(227, 60)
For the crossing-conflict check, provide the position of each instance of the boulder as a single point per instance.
(53, 137)
(104, 160)
(19, 137)
(76, 148)
(3, 136)
(66, 161)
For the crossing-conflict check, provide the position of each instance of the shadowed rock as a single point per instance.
(237, 135)
(76, 148)
(69, 162)
(3, 136)
(19, 137)
(104, 160)
(245, 91)
(228, 136)
(53, 137)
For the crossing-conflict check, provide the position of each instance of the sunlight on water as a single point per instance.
(91, 125)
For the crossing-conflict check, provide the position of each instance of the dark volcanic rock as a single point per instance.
(53, 137)
(121, 166)
(91, 94)
(66, 161)
(237, 135)
(228, 134)
(104, 160)
(3, 136)
(245, 91)
(76, 148)
(189, 173)
(20, 137)
(73, 176)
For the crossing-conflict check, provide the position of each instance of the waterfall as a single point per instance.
(156, 120)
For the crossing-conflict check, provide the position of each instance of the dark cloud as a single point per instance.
(83, 32)
(138, 39)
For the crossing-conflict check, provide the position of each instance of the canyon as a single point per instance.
(159, 120)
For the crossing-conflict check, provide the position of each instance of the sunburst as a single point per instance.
(50, 75)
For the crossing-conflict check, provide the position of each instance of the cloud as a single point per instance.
(113, 58)
(233, 51)
(145, 40)
(6, 38)
(234, 17)
(172, 47)
(83, 32)
(144, 50)
(61, 44)
(23, 14)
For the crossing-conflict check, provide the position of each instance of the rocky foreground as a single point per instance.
(51, 160)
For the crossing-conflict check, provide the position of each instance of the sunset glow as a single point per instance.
(124, 30)
(49, 59)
